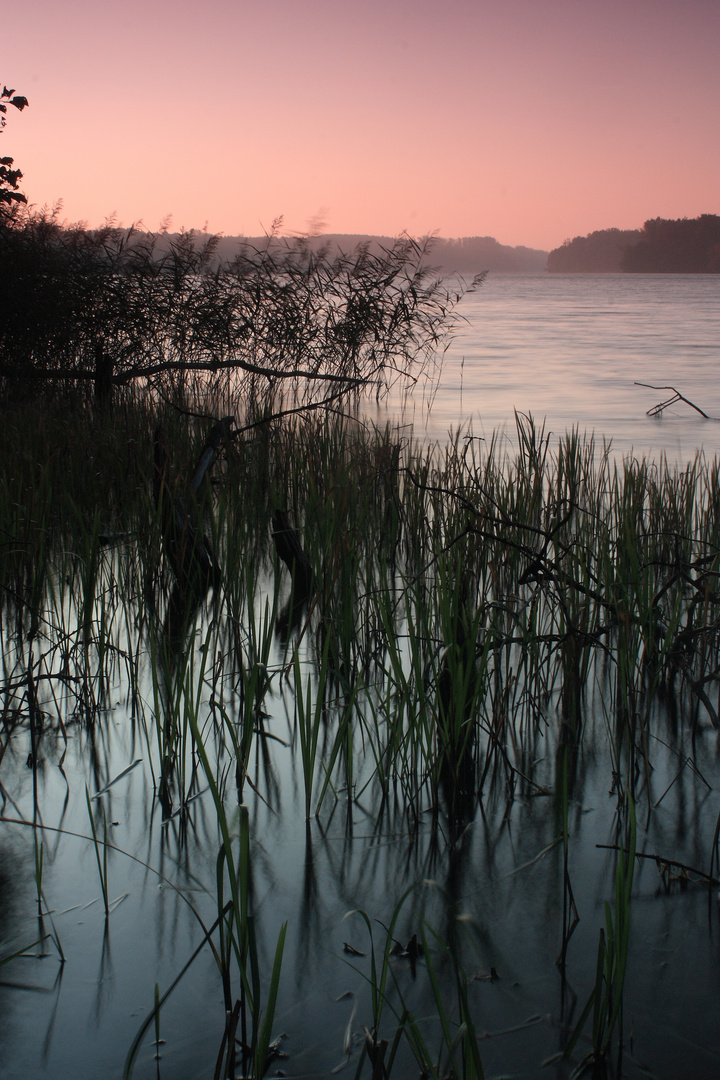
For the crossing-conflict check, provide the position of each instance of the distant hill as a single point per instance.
(662, 246)
(468, 255)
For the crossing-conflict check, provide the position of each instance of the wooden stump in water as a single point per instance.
(456, 732)
(187, 550)
(289, 548)
(104, 371)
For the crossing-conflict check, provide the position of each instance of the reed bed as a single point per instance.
(478, 621)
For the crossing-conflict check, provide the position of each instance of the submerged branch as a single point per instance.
(677, 396)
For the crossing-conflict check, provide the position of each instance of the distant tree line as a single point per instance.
(599, 252)
(662, 246)
(685, 246)
(468, 255)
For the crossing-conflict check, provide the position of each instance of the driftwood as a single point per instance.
(289, 548)
(455, 724)
(658, 409)
(187, 550)
(670, 869)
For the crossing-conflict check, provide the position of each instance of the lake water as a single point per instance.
(569, 349)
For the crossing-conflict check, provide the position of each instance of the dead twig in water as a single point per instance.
(664, 864)
(677, 396)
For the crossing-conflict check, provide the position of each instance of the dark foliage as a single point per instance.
(108, 307)
(9, 177)
(685, 246)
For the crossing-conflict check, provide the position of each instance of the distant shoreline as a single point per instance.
(680, 246)
(467, 255)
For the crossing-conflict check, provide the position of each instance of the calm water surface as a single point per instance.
(569, 349)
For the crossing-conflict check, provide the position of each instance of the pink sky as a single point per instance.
(527, 120)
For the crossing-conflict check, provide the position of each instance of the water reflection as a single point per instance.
(467, 861)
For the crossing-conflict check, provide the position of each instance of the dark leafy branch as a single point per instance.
(9, 177)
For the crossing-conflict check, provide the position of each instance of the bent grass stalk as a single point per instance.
(606, 1000)
(310, 716)
(97, 844)
(42, 912)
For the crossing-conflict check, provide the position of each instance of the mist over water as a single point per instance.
(569, 349)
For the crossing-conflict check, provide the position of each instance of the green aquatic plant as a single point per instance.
(100, 855)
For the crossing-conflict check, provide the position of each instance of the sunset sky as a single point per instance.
(527, 120)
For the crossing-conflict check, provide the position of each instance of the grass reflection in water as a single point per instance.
(490, 666)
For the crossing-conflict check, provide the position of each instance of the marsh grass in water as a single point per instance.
(484, 633)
